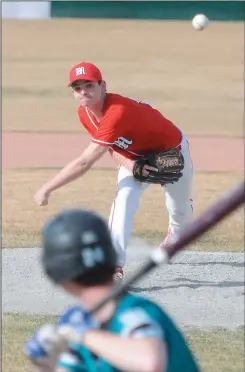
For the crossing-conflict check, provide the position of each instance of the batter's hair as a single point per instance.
(96, 276)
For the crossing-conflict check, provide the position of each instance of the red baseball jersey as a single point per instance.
(130, 127)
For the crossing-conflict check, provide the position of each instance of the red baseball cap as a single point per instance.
(84, 71)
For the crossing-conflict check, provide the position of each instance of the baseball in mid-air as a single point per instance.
(200, 22)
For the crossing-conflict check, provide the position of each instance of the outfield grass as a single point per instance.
(201, 89)
(217, 350)
(22, 219)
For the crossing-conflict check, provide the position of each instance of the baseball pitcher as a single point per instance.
(147, 146)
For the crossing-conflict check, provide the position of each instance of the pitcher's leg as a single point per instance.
(123, 209)
(179, 198)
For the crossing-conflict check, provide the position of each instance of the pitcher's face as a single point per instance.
(87, 93)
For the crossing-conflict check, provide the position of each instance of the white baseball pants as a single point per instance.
(126, 203)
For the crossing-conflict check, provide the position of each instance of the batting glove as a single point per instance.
(74, 323)
(44, 347)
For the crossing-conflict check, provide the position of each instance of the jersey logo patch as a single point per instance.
(123, 142)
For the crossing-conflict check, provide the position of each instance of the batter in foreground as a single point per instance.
(130, 130)
(130, 333)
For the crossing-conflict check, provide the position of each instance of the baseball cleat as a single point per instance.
(118, 276)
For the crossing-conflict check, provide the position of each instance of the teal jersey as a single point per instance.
(135, 316)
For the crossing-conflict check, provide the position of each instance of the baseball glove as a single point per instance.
(169, 164)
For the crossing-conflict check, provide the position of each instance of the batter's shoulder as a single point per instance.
(151, 308)
(139, 301)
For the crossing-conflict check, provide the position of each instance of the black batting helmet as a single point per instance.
(76, 243)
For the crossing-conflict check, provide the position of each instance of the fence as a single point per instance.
(176, 10)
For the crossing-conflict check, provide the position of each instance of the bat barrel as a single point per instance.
(226, 204)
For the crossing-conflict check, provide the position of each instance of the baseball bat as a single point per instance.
(225, 205)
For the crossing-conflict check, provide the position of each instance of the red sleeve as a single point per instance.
(109, 128)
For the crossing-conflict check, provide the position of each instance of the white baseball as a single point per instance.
(200, 22)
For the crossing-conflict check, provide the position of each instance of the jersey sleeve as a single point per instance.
(110, 127)
(138, 322)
